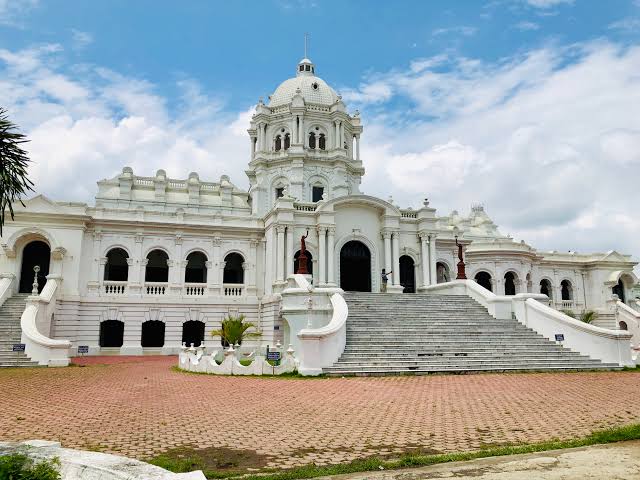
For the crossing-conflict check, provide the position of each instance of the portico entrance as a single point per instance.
(355, 267)
(34, 253)
(407, 274)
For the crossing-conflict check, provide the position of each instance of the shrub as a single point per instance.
(234, 330)
(569, 313)
(18, 466)
(588, 316)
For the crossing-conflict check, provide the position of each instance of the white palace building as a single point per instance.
(157, 262)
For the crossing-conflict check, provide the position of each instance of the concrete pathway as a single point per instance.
(619, 461)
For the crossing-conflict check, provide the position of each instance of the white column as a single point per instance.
(290, 252)
(322, 260)
(216, 271)
(358, 147)
(303, 136)
(331, 236)
(139, 277)
(426, 264)
(336, 141)
(96, 275)
(432, 260)
(280, 255)
(253, 146)
(396, 258)
(341, 135)
(387, 251)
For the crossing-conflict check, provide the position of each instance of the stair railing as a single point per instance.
(631, 318)
(36, 327)
(317, 319)
(6, 286)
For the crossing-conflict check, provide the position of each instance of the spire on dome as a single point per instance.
(306, 66)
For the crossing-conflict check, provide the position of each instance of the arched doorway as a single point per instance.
(355, 267)
(233, 269)
(484, 280)
(545, 288)
(407, 274)
(157, 269)
(34, 253)
(296, 258)
(442, 272)
(193, 333)
(111, 333)
(116, 269)
(566, 290)
(152, 334)
(196, 269)
(509, 283)
(619, 290)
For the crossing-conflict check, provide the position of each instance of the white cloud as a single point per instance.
(81, 39)
(526, 26)
(548, 3)
(87, 126)
(460, 30)
(626, 25)
(546, 140)
(11, 11)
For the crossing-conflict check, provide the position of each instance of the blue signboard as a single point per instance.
(83, 348)
(559, 337)
(18, 347)
(273, 356)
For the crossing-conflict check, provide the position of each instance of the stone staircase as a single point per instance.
(419, 334)
(10, 332)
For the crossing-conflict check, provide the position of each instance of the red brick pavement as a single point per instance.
(139, 407)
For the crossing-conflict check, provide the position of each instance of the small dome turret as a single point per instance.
(305, 67)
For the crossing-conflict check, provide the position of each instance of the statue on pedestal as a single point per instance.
(302, 258)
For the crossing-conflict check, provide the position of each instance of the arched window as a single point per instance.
(196, 271)
(157, 267)
(322, 142)
(545, 288)
(35, 253)
(566, 290)
(233, 271)
(509, 283)
(623, 325)
(312, 140)
(152, 334)
(316, 193)
(442, 272)
(278, 143)
(619, 290)
(193, 333)
(111, 333)
(287, 141)
(116, 269)
(484, 279)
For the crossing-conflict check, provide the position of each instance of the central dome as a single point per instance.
(313, 89)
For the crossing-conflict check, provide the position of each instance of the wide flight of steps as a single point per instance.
(10, 332)
(418, 334)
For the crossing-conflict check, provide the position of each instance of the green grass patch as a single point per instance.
(19, 466)
(618, 434)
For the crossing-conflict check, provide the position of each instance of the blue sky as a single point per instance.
(527, 106)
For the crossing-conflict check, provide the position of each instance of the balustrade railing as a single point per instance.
(156, 288)
(408, 214)
(305, 207)
(195, 289)
(232, 290)
(567, 304)
(115, 288)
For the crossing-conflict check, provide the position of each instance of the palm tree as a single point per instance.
(13, 166)
(589, 316)
(234, 330)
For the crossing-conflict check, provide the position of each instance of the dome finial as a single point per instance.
(306, 39)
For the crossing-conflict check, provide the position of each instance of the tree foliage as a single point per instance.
(13, 167)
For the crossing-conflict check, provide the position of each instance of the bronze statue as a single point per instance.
(462, 275)
(302, 257)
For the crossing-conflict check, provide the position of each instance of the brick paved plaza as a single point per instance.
(140, 407)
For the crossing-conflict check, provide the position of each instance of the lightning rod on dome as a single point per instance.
(306, 39)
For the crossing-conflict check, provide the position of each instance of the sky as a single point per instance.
(528, 107)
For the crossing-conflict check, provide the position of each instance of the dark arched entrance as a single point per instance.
(152, 334)
(619, 290)
(407, 274)
(509, 283)
(484, 279)
(355, 267)
(193, 333)
(34, 253)
(111, 333)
